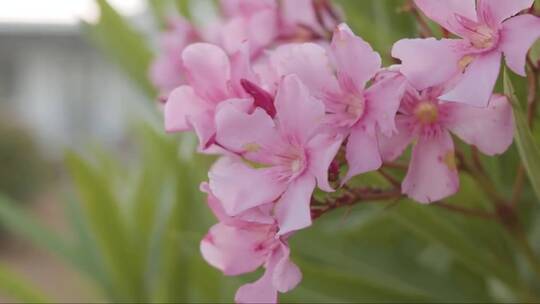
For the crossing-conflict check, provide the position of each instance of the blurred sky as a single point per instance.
(60, 11)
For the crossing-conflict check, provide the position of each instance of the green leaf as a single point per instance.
(527, 147)
(381, 23)
(163, 9)
(87, 248)
(369, 246)
(435, 227)
(348, 286)
(16, 288)
(16, 220)
(103, 213)
(184, 8)
(124, 45)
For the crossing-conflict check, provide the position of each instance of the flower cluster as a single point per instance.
(292, 100)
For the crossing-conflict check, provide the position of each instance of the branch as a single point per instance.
(352, 197)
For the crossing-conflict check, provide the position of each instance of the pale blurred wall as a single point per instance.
(62, 88)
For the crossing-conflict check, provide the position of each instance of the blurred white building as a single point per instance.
(61, 87)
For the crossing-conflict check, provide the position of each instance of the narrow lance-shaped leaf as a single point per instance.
(431, 225)
(23, 225)
(107, 224)
(527, 147)
(16, 288)
(87, 248)
(184, 8)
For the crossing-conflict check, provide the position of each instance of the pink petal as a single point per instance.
(517, 37)
(444, 12)
(362, 153)
(245, 8)
(392, 147)
(208, 70)
(286, 274)
(299, 12)
(354, 58)
(232, 250)
(166, 73)
(496, 11)
(490, 129)
(432, 173)
(428, 62)
(261, 291)
(260, 215)
(233, 33)
(183, 103)
(310, 62)
(321, 151)
(299, 115)
(237, 130)
(292, 209)
(263, 28)
(241, 69)
(383, 100)
(258, 30)
(477, 83)
(184, 111)
(233, 181)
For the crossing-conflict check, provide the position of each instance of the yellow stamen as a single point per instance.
(426, 112)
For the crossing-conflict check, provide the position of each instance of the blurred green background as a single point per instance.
(122, 221)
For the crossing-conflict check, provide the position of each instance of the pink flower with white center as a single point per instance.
(339, 77)
(425, 119)
(488, 30)
(241, 245)
(166, 72)
(254, 21)
(213, 79)
(280, 159)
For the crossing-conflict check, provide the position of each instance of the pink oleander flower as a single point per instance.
(339, 77)
(266, 23)
(213, 79)
(308, 18)
(427, 121)
(488, 30)
(166, 72)
(278, 159)
(254, 21)
(244, 243)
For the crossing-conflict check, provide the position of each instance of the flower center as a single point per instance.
(296, 166)
(426, 112)
(483, 37)
(355, 105)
